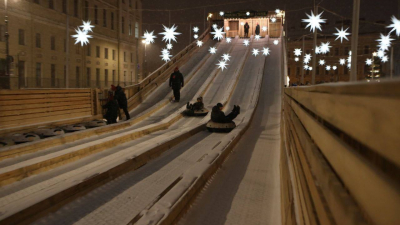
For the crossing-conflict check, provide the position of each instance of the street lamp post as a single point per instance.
(145, 54)
(7, 35)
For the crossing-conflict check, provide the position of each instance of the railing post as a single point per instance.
(354, 40)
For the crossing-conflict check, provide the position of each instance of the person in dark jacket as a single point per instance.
(199, 105)
(176, 82)
(257, 29)
(122, 101)
(246, 30)
(112, 110)
(218, 116)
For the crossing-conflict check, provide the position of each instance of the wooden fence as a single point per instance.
(340, 159)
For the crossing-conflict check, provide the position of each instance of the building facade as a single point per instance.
(46, 56)
(366, 47)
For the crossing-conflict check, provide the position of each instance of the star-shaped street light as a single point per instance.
(226, 57)
(214, 26)
(246, 42)
(164, 51)
(381, 53)
(87, 27)
(212, 50)
(199, 43)
(169, 46)
(266, 51)
(221, 13)
(342, 61)
(341, 34)
(321, 62)
(349, 65)
(264, 28)
(222, 65)
(384, 42)
(307, 56)
(297, 51)
(306, 67)
(314, 21)
(328, 67)
(317, 50)
(296, 59)
(196, 29)
(81, 37)
(309, 68)
(368, 62)
(257, 37)
(325, 47)
(273, 19)
(276, 42)
(228, 40)
(255, 52)
(149, 37)
(196, 36)
(218, 34)
(166, 57)
(306, 60)
(170, 34)
(334, 67)
(395, 25)
(384, 59)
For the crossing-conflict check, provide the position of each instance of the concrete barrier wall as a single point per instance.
(340, 155)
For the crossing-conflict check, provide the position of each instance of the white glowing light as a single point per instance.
(310, 68)
(242, 23)
(395, 25)
(296, 59)
(334, 67)
(314, 21)
(276, 42)
(222, 65)
(307, 56)
(306, 67)
(341, 34)
(325, 47)
(169, 46)
(87, 27)
(164, 51)
(306, 60)
(273, 19)
(166, 57)
(247, 13)
(226, 57)
(257, 37)
(297, 51)
(228, 40)
(199, 43)
(196, 29)
(170, 34)
(317, 50)
(212, 50)
(221, 13)
(328, 68)
(246, 42)
(277, 11)
(255, 52)
(384, 42)
(384, 59)
(214, 26)
(264, 28)
(218, 34)
(381, 53)
(368, 62)
(349, 65)
(227, 28)
(266, 51)
(321, 62)
(149, 37)
(342, 61)
(81, 37)
(196, 36)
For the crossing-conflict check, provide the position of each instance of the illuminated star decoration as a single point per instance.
(255, 52)
(149, 37)
(395, 25)
(264, 28)
(222, 65)
(307, 56)
(296, 59)
(341, 34)
(215, 26)
(384, 59)
(317, 50)
(228, 40)
(349, 58)
(384, 42)
(334, 67)
(342, 61)
(164, 51)
(169, 46)
(81, 37)
(310, 68)
(306, 67)
(276, 42)
(297, 51)
(196, 36)
(170, 34)
(368, 62)
(247, 13)
(325, 47)
(87, 27)
(314, 21)
(227, 28)
(221, 13)
(266, 51)
(381, 53)
(218, 34)
(306, 61)
(199, 43)
(321, 62)
(328, 68)
(226, 57)
(246, 42)
(349, 65)
(273, 19)
(196, 29)
(257, 37)
(166, 56)
(277, 11)
(212, 50)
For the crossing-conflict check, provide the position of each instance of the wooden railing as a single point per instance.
(340, 159)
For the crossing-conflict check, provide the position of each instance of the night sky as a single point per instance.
(186, 12)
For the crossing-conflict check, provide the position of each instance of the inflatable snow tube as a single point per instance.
(26, 137)
(49, 132)
(189, 112)
(5, 142)
(220, 127)
(96, 123)
(74, 128)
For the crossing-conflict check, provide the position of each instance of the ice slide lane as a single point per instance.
(46, 183)
(26, 165)
(190, 69)
(121, 201)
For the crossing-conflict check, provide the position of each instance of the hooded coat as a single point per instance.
(176, 80)
(218, 116)
(121, 97)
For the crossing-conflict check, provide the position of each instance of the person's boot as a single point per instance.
(238, 109)
(187, 106)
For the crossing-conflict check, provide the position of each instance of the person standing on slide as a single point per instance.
(176, 82)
